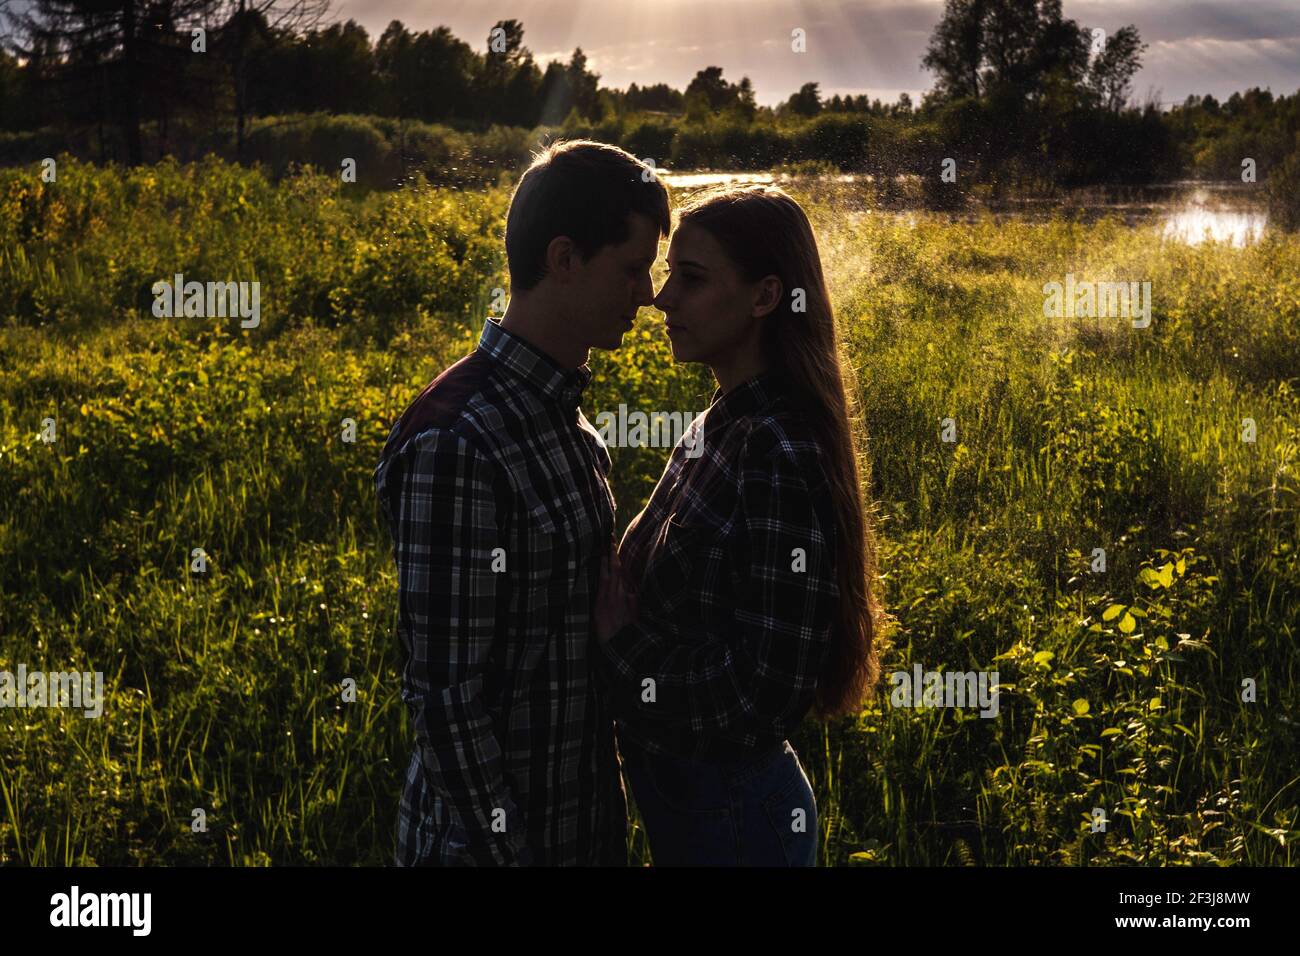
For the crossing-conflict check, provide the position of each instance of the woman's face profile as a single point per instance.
(708, 307)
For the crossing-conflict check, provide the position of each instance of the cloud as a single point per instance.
(872, 46)
(1163, 21)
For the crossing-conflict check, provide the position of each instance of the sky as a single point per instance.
(854, 46)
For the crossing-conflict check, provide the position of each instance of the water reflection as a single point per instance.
(1188, 212)
(696, 180)
(1197, 221)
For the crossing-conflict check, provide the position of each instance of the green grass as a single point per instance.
(1120, 690)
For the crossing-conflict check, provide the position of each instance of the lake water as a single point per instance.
(1195, 222)
(1189, 211)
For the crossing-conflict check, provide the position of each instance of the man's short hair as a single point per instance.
(584, 190)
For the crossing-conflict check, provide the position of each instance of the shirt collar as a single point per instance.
(528, 362)
(745, 399)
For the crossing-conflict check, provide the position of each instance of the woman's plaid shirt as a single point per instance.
(494, 487)
(734, 564)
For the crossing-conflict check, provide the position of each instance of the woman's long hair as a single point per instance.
(765, 232)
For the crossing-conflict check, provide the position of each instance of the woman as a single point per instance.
(745, 594)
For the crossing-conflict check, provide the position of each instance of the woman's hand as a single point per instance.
(615, 602)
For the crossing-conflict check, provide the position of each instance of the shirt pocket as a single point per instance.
(540, 542)
(564, 544)
(682, 563)
(536, 567)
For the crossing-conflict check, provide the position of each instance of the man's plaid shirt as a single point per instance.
(733, 560)
(494, 488)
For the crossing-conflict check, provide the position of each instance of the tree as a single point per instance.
(710, 89)
(745, 105)
(510, 81)
(1112, 70)
(660, 97)
(399, 71)
(107, 52)
(570, 91)
(428, 75)
(20, 106)
(1016, 49)
(583, 84)
(250, 25)
(1028, 41)
(807, 102)
(956, 51)
(333, 69)
(11, 99)
(556, 98)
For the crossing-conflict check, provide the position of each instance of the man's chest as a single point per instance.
(564, 513)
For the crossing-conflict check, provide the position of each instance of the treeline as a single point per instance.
(1215, 138)
(147, 67)
(1022, 95)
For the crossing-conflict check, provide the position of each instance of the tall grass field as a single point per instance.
(1010, 454)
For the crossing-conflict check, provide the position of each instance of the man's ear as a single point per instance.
(769, 295)
(562, 258)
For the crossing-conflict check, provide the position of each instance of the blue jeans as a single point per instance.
(755, 812)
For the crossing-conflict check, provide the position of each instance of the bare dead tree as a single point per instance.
(243, 22)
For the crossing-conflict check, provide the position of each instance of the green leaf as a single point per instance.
(1042, 658)
(1081, 707)
(1112, 612)
(1112, 732)
(1277, 833)
(1127, 623)
(1166, 576)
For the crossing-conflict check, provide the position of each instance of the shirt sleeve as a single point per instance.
(761, 678)
(447, 528)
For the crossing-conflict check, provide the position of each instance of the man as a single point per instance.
(495, 489)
